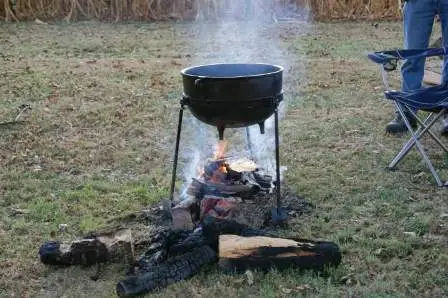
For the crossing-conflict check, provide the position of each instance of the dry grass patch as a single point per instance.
(98, 145)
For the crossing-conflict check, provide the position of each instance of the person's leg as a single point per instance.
(443, 14)
(418, 19)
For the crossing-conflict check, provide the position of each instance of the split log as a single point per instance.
(182, 219)
(173, 270)
(238, 254)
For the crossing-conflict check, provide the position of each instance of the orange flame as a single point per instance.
(200, 171)
(220, 149)
(219, 176)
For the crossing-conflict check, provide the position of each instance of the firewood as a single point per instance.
(169, 243)
(182, 219)
(176, 255)
(186, 203)
(238, 253)
(91, 250)
(236, 190)
(265, 181)
(173, 270)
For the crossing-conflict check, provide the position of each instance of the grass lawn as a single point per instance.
(98, 144)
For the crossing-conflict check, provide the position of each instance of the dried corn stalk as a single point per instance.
(150, 10)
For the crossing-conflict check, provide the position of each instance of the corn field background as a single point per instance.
(158, 10)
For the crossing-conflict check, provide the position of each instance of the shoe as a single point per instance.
(444, 130)
(397, 125)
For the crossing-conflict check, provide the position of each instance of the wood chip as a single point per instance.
(19, 211)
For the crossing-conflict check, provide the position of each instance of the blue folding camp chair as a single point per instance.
(433, 100)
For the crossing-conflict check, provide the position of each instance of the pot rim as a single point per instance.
(279, 70)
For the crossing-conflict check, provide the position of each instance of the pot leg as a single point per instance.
(261, 124)
(279, 215)
(249, 144)
(277, 160)
(176, 153)
(221, 132)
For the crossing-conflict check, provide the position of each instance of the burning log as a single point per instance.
(201, 188)
(265, 181)
(239, 178)
(238, 253)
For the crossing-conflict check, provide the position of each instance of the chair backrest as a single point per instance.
(388, 60)
(385, 57)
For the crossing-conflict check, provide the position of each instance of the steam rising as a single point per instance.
(228, 41)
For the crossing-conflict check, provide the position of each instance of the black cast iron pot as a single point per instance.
(233, 95)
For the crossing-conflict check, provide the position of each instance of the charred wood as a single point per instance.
(265, 181)
(177, 255)
(172, 271)
(238, 254)
(171, 243)
(90, 250)
(200, 189)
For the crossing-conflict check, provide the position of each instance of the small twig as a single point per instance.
(22, 110)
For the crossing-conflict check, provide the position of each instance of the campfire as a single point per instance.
(206, 224)
(222, 182)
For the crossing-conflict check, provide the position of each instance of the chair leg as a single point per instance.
(438, 141)
(425, 126)
(419, 146)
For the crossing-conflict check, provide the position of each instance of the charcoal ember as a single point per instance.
(265, 181)
(195, 239)
(159, 245)
(233, 175)
(156, 254)
(173, 270)
(218, 207)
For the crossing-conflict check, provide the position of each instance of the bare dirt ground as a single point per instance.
(98, 145)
